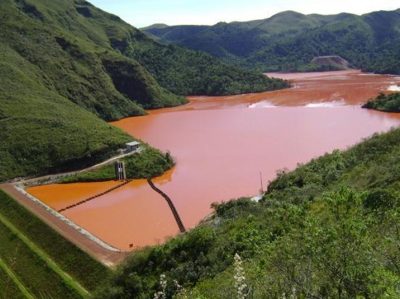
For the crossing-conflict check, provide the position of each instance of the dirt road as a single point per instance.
(51, 178)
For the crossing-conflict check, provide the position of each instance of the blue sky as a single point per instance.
(176, 12)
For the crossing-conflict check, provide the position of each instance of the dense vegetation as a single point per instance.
(387, 103)
(289, 41)
(62, 63)
(70, 258)
(220, 79)
(328, 229)
(146, 164)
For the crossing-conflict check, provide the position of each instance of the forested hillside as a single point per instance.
(388, 103)
(64, 62)
(329, 229)
(289, 41)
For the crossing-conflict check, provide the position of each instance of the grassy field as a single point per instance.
(41, 258)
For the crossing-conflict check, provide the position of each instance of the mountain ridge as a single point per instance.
(288, 41)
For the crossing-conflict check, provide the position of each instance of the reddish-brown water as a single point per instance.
(221, 144)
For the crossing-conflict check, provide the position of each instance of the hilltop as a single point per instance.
(288, 41)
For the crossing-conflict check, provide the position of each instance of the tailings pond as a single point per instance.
(221, 144)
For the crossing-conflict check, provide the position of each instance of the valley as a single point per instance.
(244, 135)
(245, 158)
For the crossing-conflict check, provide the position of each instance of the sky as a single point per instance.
(142, 13)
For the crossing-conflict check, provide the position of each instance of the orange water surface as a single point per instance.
(221, 144)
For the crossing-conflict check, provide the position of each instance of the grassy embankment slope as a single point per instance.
(387, 103)
(65, 65)
(38, 261)
(328, 229)
(10, 285)
(289, 41)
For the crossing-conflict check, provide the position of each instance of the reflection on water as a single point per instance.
(221, 146)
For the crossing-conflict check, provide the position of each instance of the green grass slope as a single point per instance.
(41, 130)
(75, 58)
(30, 268)
(8, 288)
(32, 271)
(328, 229)
(50, 81)
(62, 63)
(288, 41)
(80, 266)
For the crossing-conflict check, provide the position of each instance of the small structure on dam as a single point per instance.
(120, 172)
(132, 146)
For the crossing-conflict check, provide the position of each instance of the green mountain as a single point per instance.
(328, 229)
(65, 65)
(289, 41)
